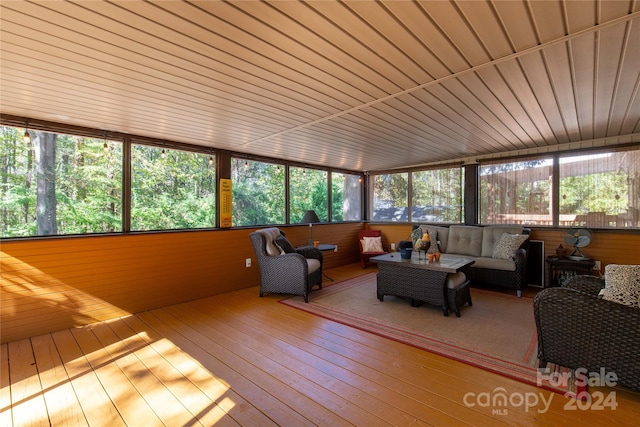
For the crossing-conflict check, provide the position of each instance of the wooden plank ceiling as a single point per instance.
(360, 85)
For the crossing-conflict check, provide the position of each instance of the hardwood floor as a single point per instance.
(236, 359)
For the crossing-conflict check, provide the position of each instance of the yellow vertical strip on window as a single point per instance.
(226, 208)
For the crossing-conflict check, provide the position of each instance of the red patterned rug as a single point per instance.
(497, 333)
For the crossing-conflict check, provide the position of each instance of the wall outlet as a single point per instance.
(247, 262)
(335, 249)
(393, 246)
(597, 266)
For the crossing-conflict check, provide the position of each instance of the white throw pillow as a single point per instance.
(508, 244)
(622, 284)
(372, 244)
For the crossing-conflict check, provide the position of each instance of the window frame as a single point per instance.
(128, 140)
(558, 222)
(410, 189)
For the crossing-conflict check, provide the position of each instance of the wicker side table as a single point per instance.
(560, 269)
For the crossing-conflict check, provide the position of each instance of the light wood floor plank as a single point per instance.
(299, 372)
(237, 410)
(159, 398)
(62, 403)
(157, 358)
(237, 359)
(5, 387)
(28, 406)
(354, 356)
(321, 363)
(131, 405)
(284, 394)
(246, 389)
(351, 354)
(95, 402)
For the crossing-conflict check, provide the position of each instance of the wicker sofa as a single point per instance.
(479, 243)
(579, 329)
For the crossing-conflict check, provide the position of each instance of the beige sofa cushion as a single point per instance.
(492, 234)
(441, 233)
(495, 264)
(465, 240)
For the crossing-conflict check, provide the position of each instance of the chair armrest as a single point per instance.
(577, 330)
(310, 252)
(285, 261)
(587, 284)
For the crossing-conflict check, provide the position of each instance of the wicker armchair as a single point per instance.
(295, 272)
(577, 329)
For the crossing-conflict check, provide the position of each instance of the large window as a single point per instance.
(56, 184)
(390, 197)
(433, 195)
(437, 195)
(171, 189)
(308, 189)
(346, 197)
(258, 192)
(60, 183)
(596, 190)
(516, 192)
(600, 190)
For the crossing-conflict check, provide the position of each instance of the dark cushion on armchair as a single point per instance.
(285, 245)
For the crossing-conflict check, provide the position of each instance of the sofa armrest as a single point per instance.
(520, 257)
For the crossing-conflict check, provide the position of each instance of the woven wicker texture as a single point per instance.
(516, 280)
(458, 296)
(419, 285)
(501, 278)
(288, 273)
(576, 329)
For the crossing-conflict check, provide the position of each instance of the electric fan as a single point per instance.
(578, 238)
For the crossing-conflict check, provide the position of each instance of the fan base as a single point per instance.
(578, 258)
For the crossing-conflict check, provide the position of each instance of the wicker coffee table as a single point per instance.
(420, 280)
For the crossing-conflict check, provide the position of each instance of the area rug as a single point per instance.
(497, 333)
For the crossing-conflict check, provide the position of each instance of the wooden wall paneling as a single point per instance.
(392, 233)
(344, 235)
(52, 284)
(606, 247)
